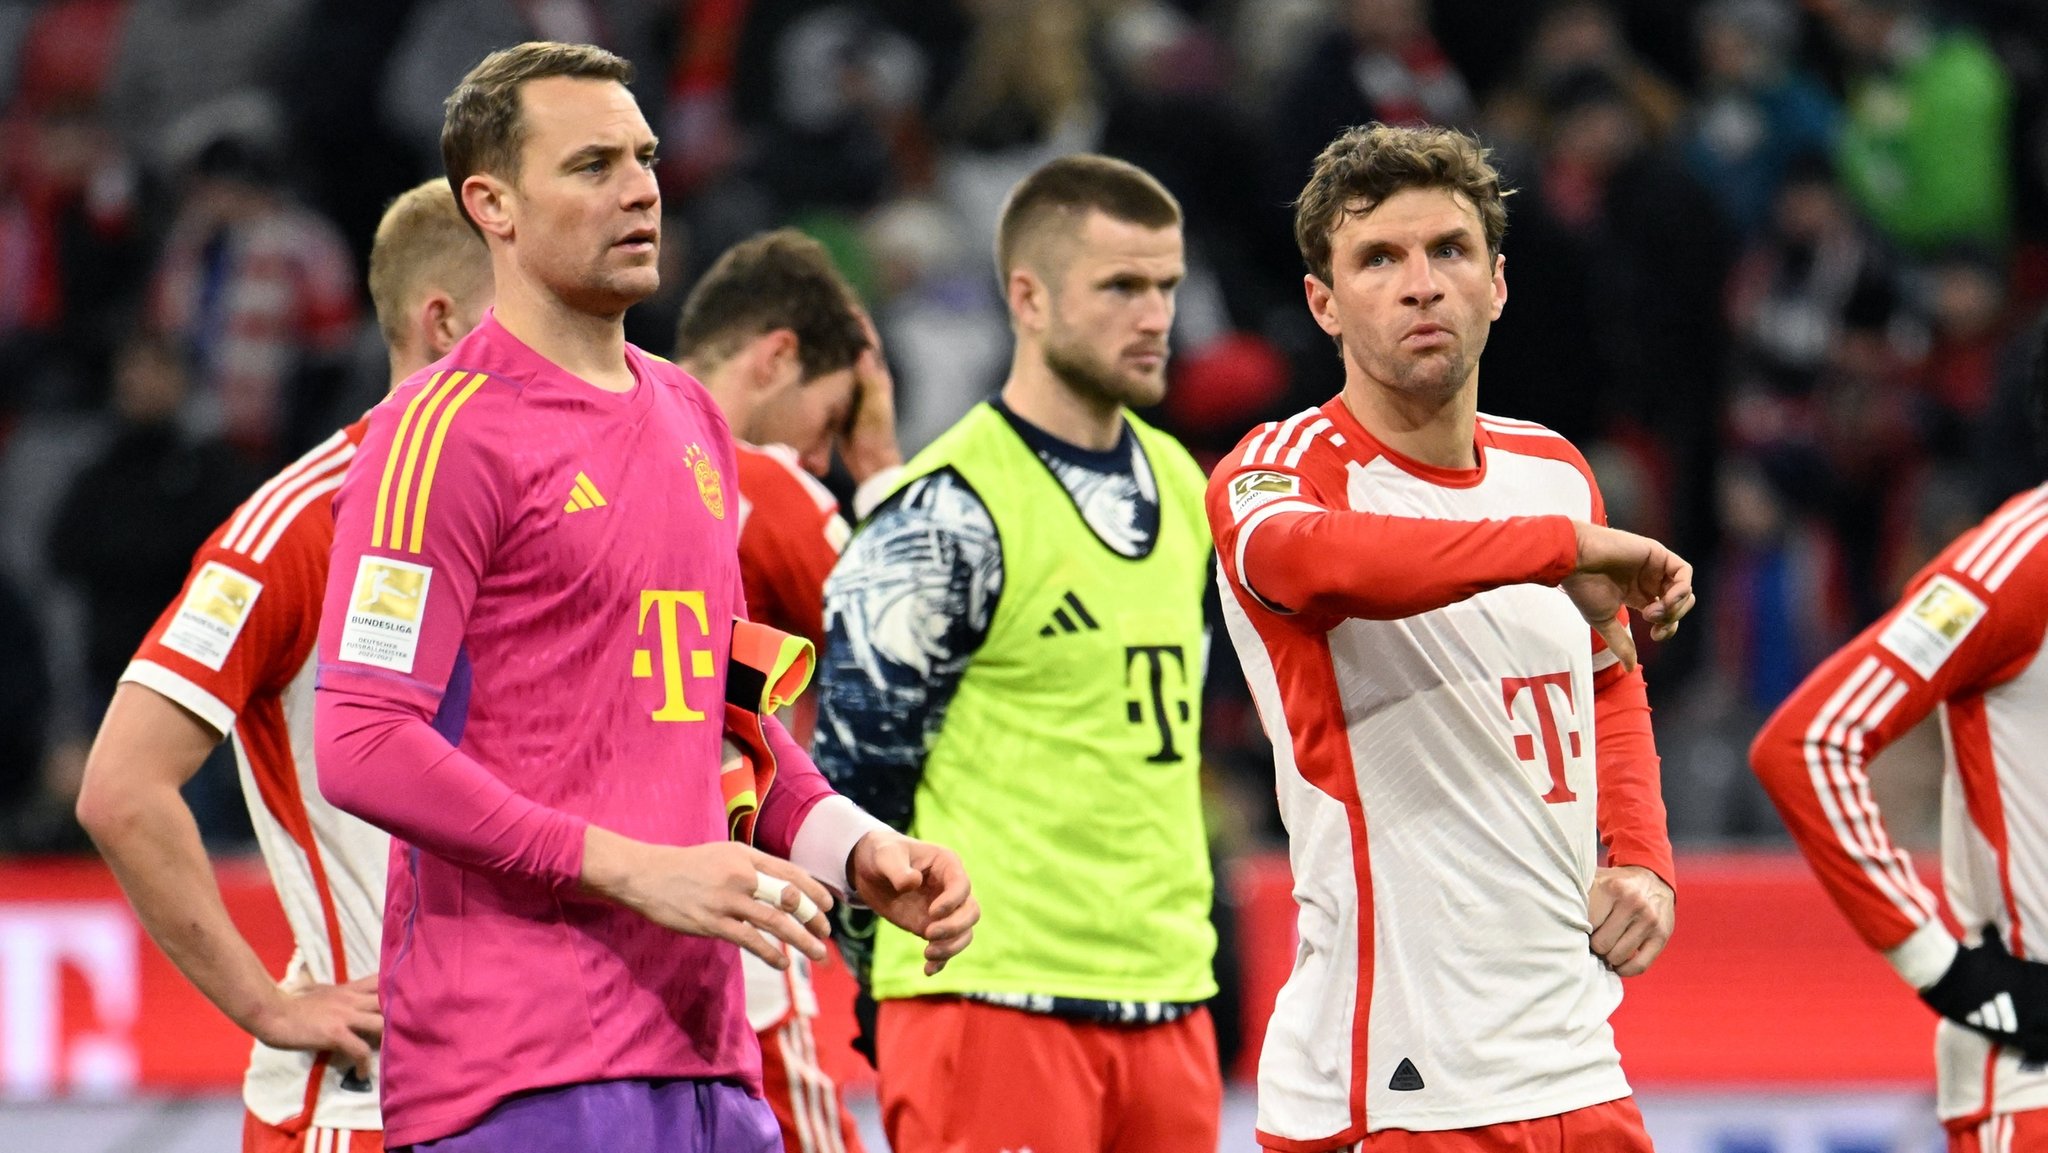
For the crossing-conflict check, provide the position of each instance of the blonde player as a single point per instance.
(233, 657)
(1409, 583)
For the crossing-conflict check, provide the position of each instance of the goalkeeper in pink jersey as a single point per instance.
(531, 657)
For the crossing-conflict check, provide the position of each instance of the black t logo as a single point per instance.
(1155, 675)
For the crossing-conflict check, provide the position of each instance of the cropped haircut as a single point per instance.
(1065, 190)
(1364, 166)
(423, 242)
(482, 131)
(780, 279)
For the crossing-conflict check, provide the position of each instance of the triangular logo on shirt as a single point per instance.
(1406, 1079)
(1077, 621)
(583, 495)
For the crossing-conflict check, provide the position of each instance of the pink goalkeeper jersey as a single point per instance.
(526, 630)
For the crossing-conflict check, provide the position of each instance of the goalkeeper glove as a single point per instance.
(1996, 994)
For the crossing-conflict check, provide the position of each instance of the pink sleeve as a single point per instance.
(799, 786)
(411, 542)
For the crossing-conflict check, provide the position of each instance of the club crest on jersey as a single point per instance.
(1252, 489)
(212, 614)
(1933, 626)
(709, 487)
(384, 611)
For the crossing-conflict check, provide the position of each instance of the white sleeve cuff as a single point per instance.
(874, 489)
(826, 839)
(1923, 957)
(195, 700)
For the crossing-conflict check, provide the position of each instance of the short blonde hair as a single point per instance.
(423, 243)
(481, 127)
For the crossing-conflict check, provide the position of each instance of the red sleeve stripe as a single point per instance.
(1834, 760)
(1999, 533)
(1308, 436)
(1283, 436)
(256, 512)
(307, 495)
(1251, 450)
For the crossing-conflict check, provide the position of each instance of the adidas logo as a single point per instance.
(1996, 1015)
(1406, 1079)
(583, 496)
(1062, 622)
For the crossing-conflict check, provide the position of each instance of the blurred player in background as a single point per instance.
(1965, 641)
(1453, 745)
(778, 339)
(527, 674)
(1014, 666)
(234, 657)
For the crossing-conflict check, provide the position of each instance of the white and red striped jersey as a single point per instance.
(1432, 702)
(1964, 640)
(237, 650)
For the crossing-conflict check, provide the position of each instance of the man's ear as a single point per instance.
(1322, 304)
(489, 202)
(773, 360)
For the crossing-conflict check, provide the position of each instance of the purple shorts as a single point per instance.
(621, 1117)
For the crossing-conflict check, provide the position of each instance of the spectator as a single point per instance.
(177, 57)
(124, 533)
(1970, 329)
(1926, 151)
(1802, 279)
(262, 294)
(1575, 36)
(1757, 111)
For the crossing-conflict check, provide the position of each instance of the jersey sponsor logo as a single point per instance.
(1556, 728)
(1078, 621)
(1163, 704)
(1933, 626)
(384, 613)
(1252, 489)
(1405, 1079)
(709, 487)
(583, 495)
(212, 614)
(408, 480)
(670, 659)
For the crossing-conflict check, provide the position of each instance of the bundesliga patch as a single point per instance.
(212, 614)
(383, 626)
(1252, 489)
(1933, 626)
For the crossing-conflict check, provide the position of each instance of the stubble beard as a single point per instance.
(1101, 384)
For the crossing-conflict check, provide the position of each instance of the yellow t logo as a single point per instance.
(674, 706)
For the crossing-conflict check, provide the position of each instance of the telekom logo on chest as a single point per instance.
(671, 647)
(1541, 706)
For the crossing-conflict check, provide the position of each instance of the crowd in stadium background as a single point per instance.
(1772, 264)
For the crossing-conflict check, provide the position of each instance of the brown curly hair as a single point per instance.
(1364, 166)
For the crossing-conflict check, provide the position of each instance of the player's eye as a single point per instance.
(1451, 250)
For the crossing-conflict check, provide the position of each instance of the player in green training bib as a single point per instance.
(1014, 662)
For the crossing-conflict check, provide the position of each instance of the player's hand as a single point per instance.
(1618, 570)
(1633, 912)
(726, 890)
(1996, 994)
(340, 1019)
(868, 444)
(918, 887)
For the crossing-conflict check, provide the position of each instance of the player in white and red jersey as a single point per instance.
(1453, 745)
(1965, 642)
(233, 656)
(776, 336)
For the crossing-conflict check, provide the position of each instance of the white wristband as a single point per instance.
(1924, 957)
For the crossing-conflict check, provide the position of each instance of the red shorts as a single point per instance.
(1613, 1127)
(263, 1137)
(960, 1076)
(2002, 1133)
(806, 1102)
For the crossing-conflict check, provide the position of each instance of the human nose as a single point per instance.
(1418, 284)
(642, 191)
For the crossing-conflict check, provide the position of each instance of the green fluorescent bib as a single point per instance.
(1065, 774)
